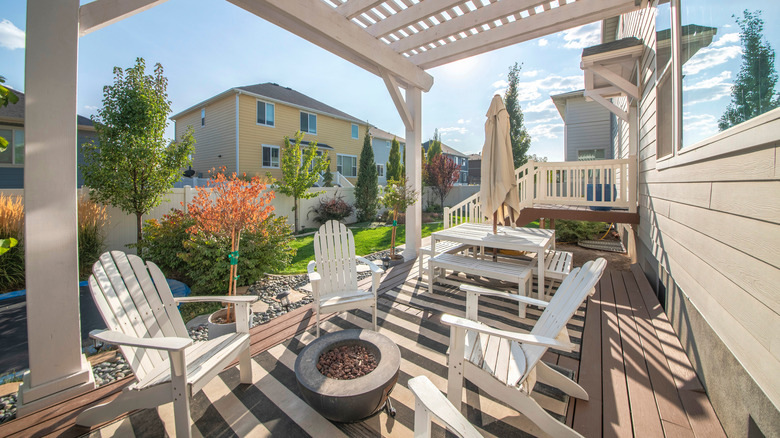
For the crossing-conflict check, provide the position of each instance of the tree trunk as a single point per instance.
(392, 238)
(295, 208)
(139, 226)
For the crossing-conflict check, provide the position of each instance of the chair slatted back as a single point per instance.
(567, 299)
(334, 254)
(134, 298)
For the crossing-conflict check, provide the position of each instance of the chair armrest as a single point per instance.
(223, 299)
(433, 401)
(523, 338)
(374, 268)
(119, 338)
(497, 293)
(313, 275)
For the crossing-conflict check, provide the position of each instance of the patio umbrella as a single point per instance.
(499, 188)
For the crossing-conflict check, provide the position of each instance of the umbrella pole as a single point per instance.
(495, 231)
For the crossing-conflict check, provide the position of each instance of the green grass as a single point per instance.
(367, 241)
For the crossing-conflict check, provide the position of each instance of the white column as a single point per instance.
(414, 172)
(58, 369)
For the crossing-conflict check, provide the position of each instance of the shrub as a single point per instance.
(92, 218)
(12, 225)
(574, 231)
(163, 243)
(335, 208)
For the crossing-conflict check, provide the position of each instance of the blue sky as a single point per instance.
(208, 46)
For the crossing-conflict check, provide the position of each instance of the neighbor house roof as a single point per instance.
(560, 101)
(277, 93)
(378, 133)
(15, 112)
(446, 149)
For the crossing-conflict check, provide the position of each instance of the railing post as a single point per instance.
(447, 219)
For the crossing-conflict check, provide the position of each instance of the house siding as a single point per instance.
(587, 127)
(336, 133)
(708, 240)
(215, 143)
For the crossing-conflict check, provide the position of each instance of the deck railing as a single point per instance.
(602, 183)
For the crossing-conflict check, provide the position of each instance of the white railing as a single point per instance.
(603, 183)
(338, 180)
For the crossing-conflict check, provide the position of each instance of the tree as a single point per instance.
(398, 196)
(434, 146)
(6, 96)
(301, 168)
(239, 205)
(366, 189)
(394, 166)
(753, 92)
(133, 166)
(518, 135)
(327, 177)
(441, 174)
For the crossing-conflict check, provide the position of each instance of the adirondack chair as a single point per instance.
(333, 273)
(428, 401)
(506, 364)
(143, 319)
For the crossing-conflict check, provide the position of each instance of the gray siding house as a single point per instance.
(381, 142)
(587, 127)
(461, 159)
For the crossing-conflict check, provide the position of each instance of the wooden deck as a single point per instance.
(639, 380)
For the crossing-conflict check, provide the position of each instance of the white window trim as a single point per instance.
(271, 146)
(315, 118)
(10, 148)
(352, 128)
(267, 103)
(383, 170)
(356, 164)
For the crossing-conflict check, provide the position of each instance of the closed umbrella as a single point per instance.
(499, 187)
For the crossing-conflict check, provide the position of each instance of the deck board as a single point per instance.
(587, 414)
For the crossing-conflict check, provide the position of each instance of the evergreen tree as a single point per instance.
(394, 168)
(518, 135)
(753, 92)
(327, 177)
(366, 189)
(434, 146)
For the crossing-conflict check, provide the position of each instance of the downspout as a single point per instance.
(238, 94)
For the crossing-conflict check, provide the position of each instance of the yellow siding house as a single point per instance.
(243, 129)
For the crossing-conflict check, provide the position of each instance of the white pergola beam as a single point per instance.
(320, 24)
(555, 20)
(411, 15)
(102, 13)
(398, 100)
(616, 80)
(353, 8)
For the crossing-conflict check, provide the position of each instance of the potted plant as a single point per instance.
(398, 196)
(223, 209)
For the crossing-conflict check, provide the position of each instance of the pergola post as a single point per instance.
(414, 171)
(58, 369)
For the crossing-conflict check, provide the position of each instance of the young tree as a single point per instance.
(367, 187)
(300, 170)
(398, 197)
(327, 177)
(394, 166)
(133, 166)
(6, 96)
(434, 147)
(753, 92)
(239, 205)
(518, 135)
(441, 174)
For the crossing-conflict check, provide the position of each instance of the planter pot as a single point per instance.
(216, 329)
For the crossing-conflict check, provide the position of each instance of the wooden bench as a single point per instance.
(557, 266)
(512, 272)
(442, 246)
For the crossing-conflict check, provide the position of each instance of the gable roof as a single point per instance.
(445, 149)
(16, 111)
(378, 133)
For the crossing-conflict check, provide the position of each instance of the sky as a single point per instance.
(207, 47)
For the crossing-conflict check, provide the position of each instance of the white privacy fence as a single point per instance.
(602, 184)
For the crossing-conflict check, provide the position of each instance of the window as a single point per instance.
(590, 154)
(346, 165)
(265, 113)
(355, 132)
(308, 123)
(203, 117)
(14, 153)
(380, 170)
(271, 156)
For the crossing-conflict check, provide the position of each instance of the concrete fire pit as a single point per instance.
(354, 399)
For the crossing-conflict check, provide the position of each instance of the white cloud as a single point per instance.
(583, 36)
(701, 124)
(545, 105)
(718, 81)
(530, 73)
(551, 131)
(463, 122)
(455, 129)
(543, 42)
(529, 121)
(500, 84)
(90, 107)
(710, 57)
(707, 90)
(727, 38)
(11, 37)
(532, 90)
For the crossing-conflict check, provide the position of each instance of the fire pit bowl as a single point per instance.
(354, 399)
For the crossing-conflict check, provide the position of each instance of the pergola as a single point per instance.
(394, 39)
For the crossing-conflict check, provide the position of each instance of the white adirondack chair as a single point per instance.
(142, 318)
(334, 283)
(506, 364)
(428, 402)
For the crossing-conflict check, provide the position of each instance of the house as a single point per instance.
(587, 127)
(475, 168)
(381, 142)
(458, 157)
(12, 129)
(243, 129)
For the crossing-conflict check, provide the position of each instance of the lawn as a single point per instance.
(367, 241)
